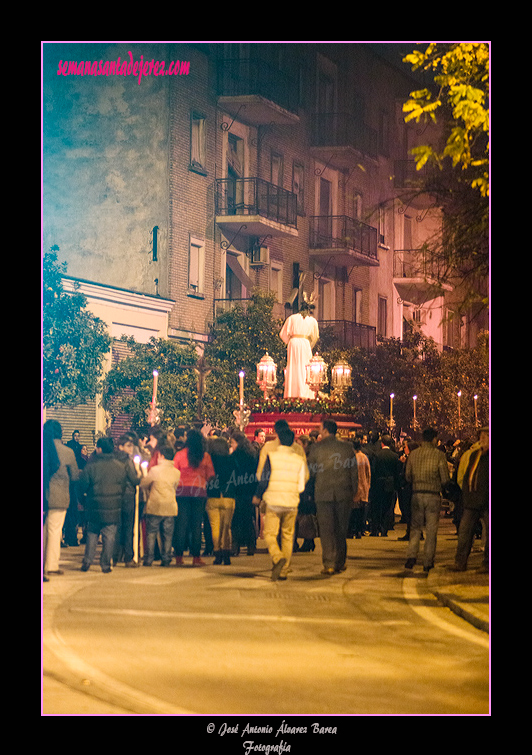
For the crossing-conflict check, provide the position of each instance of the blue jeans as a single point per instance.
(154, 524)
(425, 516)
(108, 533)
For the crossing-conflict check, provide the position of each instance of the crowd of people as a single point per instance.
(160, 495)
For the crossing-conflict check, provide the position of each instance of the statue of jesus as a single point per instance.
(300, 332)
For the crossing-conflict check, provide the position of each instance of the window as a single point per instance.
(357, 305)
(383, 317)
(276, 279)
(197, 143)
(382, 224)
(298, 187)
(276, 169)
(196, 267)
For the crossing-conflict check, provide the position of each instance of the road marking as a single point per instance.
(428, 613)
(122, 694)
(224, 616)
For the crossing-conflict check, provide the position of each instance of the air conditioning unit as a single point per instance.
(260, 255)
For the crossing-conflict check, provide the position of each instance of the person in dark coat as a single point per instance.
(243, 527)
(333, 466)
(385, 482)
(103, 482)
(124, 534)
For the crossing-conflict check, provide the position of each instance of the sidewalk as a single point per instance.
(466, 593)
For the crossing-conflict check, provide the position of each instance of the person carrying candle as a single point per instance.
(160, 486)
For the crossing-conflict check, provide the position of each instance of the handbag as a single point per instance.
(307, 526)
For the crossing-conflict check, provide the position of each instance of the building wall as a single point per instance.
(105, 166)
(117, 164)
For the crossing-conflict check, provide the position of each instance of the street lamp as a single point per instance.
(391, 423)
(341, 378)
(316, 373)
(266, 375)
(475, 398)
(459, 415)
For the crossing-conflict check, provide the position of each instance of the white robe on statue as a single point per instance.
(300, 335)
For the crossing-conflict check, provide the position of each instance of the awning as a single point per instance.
(239, 271)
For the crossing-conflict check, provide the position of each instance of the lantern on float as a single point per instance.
(266, 375)
(341, 378)
(316, 373)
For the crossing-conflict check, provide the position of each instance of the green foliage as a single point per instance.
(239, 340)
(75, 342)
(128, 387)
(461, 71)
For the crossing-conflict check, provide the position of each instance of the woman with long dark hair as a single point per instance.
(59, 471)
(196, 468)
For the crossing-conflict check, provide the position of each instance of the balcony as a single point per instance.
(221, 306)
(257, 92)
(340, 139)
(343, 240)
(344, 334)
(416, 277)
(260, 206)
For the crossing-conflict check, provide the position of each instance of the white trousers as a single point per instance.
(52, 534)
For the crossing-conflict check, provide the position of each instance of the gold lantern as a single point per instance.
(266, 375)
(341, 378)
(316, 373)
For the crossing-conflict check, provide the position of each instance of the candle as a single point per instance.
(241, 376)
(155, 376)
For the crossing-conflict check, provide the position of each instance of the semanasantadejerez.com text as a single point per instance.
(123, 67)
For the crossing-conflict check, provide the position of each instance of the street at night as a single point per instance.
(227, 641)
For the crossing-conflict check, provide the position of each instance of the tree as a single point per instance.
(239, 339)
(456, 170)
(461, 71)
(75, 342)
(128, 386)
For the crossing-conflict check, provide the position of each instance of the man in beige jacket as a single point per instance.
(284, 473)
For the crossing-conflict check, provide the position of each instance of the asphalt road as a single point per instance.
(226, 641)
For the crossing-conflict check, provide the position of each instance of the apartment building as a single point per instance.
(281, 166)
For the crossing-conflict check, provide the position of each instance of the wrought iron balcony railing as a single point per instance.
(346, 334)
(254, 196)
(342, 232)
(416, 263)
(244, 77)
(343, 130)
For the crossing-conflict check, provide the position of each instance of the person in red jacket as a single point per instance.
(196, 468)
